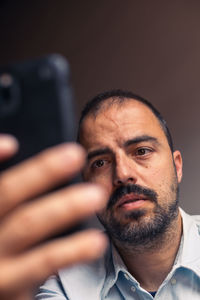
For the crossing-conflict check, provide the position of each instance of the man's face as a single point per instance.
(129, 155)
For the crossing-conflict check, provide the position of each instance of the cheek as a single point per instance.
(104, 180)
(162, 181)
(161, 176)
(163, 170)
(152, 175)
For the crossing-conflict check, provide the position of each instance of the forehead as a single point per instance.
(120, 122)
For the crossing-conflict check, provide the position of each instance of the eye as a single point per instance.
(98, 163)
(143, 151)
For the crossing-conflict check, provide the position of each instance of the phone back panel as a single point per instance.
(36, 105)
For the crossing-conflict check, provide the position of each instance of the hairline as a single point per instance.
(97, 108)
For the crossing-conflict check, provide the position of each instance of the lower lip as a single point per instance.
(133, 205)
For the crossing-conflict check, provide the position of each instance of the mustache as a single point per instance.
(131, 188)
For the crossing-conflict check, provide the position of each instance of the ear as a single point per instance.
(178, 164)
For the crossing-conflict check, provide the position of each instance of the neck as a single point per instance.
(150, 265)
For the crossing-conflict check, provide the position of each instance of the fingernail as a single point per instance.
(71, 152)
(97, 194)
(99, 243)
(8, 142)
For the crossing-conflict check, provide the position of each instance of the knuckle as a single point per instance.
(5, 191)
(21, 225)
(25, 222)
(49, 261)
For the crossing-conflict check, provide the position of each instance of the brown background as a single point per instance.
(149, 47)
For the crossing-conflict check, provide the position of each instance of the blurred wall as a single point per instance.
(149, 47)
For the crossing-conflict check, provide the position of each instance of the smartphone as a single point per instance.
(36, 105)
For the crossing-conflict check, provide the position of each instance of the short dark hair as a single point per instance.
(95, 104)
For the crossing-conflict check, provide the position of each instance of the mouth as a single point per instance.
(131, 201)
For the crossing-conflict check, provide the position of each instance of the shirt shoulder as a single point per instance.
(83, 282)
(190, 219)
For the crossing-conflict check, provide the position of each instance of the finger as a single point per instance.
(22, 295)
(8, 146)
(38, 174)
(48, 215)
(34, 267)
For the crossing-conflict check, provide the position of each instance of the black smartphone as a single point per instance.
(36, 105)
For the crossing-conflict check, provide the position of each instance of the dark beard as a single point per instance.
(137, 231)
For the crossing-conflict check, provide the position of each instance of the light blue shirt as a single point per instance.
(109, 279)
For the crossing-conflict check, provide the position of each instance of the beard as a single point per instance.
(137, 227)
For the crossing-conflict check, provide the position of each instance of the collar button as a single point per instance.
(173, 281)
(133, 289)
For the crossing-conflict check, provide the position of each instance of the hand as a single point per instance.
(25, 258)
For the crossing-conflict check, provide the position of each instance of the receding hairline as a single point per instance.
(109, 102)
(109, 98)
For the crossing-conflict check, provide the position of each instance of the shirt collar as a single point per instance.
(189, 253)
(115, 265)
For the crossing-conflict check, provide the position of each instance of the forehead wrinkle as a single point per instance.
(131, 114)
(108, 110)
(140, 139)
(109, 115)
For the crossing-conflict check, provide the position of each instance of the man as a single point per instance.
(154, 246)
(26, 259)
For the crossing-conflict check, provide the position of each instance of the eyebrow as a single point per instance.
(98, 152)
(136, 140)
(140, 139)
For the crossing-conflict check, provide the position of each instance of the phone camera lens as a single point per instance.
(8, 94)
(6, 82)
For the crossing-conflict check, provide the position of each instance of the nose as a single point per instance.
(124, 171)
